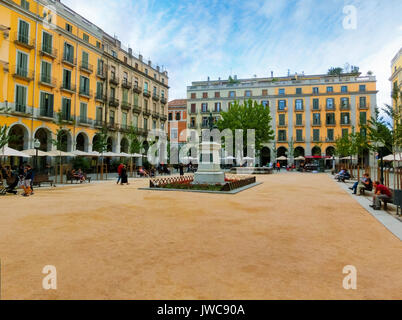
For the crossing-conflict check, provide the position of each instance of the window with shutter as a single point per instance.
(47, 42)
(23, 32)
(22, 64)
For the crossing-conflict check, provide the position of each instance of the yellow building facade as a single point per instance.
(396, 73)
(55, 70)
(308, 111)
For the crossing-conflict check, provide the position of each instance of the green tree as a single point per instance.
(249, 115)
(134, 144)
(335, 71)
(100, 144)
(343, 146)
(60, 142)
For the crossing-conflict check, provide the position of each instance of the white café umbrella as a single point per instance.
(282, 158)
(348, 158)
(248, 158)
(111, 154)
(10, 152)
(82, 153)
(32, 152)
(398, 157)
(58, 153)
(300, 158)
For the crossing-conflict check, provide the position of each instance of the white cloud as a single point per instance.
(201, 38)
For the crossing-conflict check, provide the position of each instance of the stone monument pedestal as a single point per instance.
(209, 172)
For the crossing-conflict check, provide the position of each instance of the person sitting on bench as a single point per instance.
(365, 183)
(343, 175)
(381, 193)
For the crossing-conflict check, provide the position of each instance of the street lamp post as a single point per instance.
(36, 146)
(379, 145)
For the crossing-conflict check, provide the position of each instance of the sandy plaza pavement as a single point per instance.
(288, 238)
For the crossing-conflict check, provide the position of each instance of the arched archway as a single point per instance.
(330, 151)
(44, 136)
(110, 145)
(316, 151)
(20, 137)
(65, 141)
(299, 152)
(81, 142)
(124, 145)
(281, 152)
(265, 156)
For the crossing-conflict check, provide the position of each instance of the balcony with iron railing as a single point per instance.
(112, 126)
(137, 88)
(22, 73)
(364, 106)
(329, 139)
(46, 112)
(163, 116)
(316, 108)
(46, 80)
(86, 67)
(299, 139)
(24, 41)
(282, 124)
(192, 112)
(205, 111)
(48, 51)
(69, 60)
(282, 139)
(113, 102)
(99, 123)
(136, 108)
(317, 139)
(345, 106)
(299, 123)
(330, 107)
(163, 100)
(346, 122)
(100, 97)
(125, 105)
(19, 108)
(85, 93)
(155, 97)
(101, 73)
(299, 109)
(146, 112)
(316, 123)
(204, 125)
(124, 127)
(68, 87)
(114, 80)
(192, 126)
(84, 120)
(146, 93)
(126, 84)
(155, 115)
(282, 109)
(330, 123)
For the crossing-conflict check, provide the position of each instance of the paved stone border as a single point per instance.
(386, 219)
(206, 191)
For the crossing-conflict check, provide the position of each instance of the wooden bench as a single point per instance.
(41, 178)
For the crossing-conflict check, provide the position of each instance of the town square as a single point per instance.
(213, 150)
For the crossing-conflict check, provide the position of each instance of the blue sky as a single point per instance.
(197, 39)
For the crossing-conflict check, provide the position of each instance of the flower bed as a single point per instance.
(186, 183)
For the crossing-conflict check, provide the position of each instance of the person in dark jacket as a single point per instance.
(123, 175)
(181, 168)
(28, 176)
